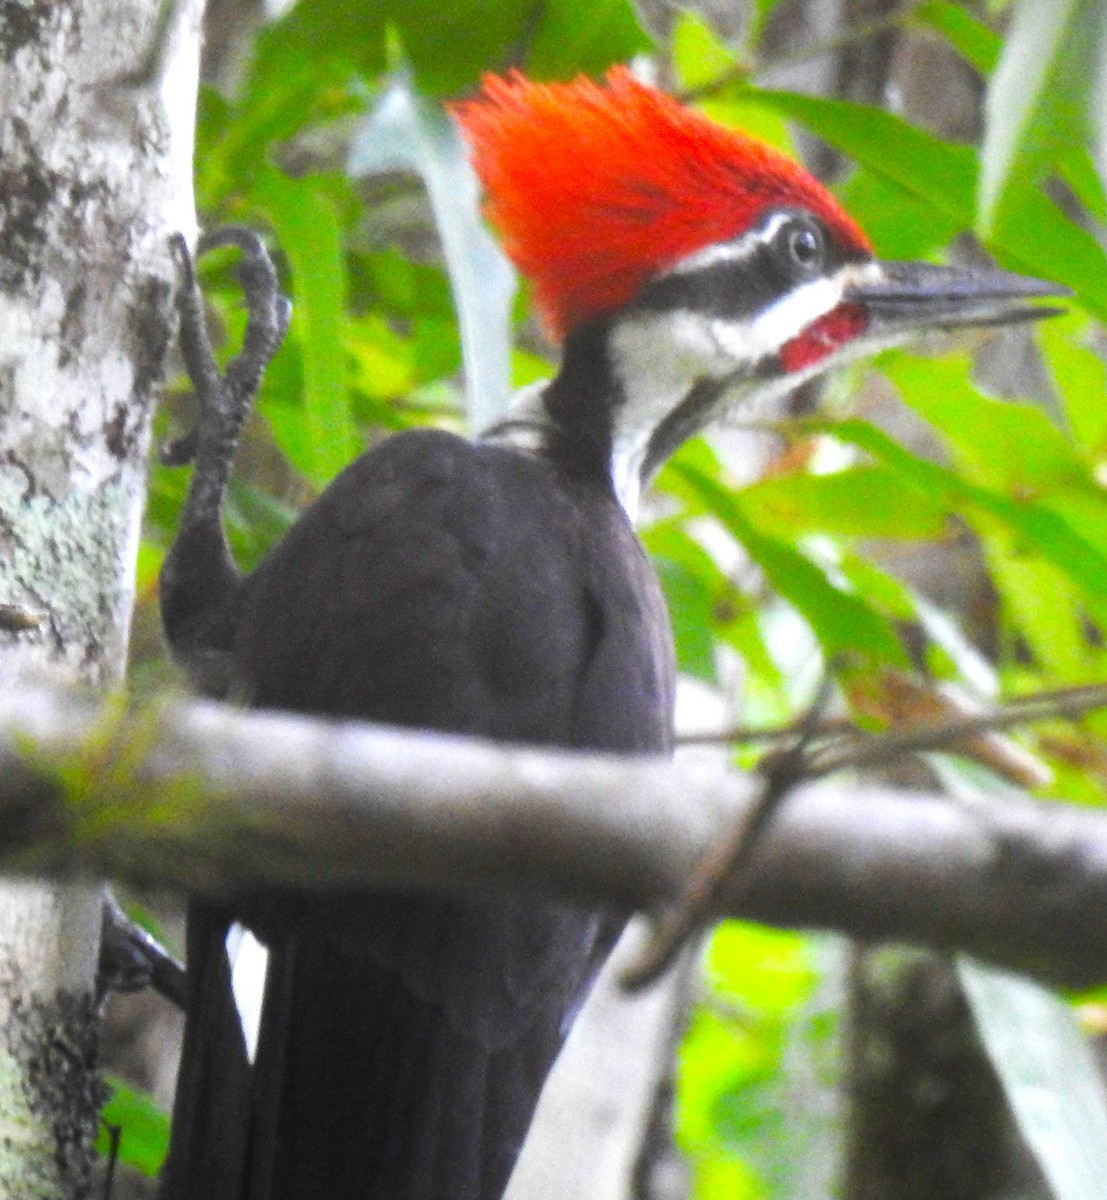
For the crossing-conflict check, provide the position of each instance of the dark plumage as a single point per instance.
(495, 588)
(457, 586)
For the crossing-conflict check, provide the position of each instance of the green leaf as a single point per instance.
(883, 591)
(863, 501)
(755, 1107)
(1035, 102)
(1049, 1075)
(1004, 444)
(700, 57)
(766, 698)
(1029, 233)
(574, 38)
(689, 605)
(733, 109)
(1047, 532)
(981, 47)
(405, 130)
(306, 224)
(766, 969)
(940, 173)
(900, 225)
(842, 622)
(975, 42)
(144, 1128)
(301, 73)
(1080, 379)
(1044, 606)
(449, 45)
(327, 37)
(692, 583)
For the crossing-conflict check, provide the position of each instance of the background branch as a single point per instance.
(211, 799)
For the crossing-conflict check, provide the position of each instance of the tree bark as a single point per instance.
(98, 104)
(927, 1115)
(216, 801)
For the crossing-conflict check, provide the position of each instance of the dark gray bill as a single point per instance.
(922, 296)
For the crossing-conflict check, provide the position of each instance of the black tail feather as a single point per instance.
(403, 1046)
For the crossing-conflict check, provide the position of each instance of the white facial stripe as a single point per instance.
(672, 350)
(769, 330)
(660, 357)
(736, 250)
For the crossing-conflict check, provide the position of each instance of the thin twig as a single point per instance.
(729, 858)
(1051, 704)
(755, 734)
(883, 748)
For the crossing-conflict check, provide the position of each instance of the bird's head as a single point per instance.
(692, 266)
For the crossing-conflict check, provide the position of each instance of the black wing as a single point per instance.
(472, 589)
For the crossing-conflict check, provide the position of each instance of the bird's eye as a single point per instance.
(803, 245)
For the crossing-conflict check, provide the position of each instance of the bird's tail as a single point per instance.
(403, 1046)
(208, 1148)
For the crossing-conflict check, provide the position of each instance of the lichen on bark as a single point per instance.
(95, 173)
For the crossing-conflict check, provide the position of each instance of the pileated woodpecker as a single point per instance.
(495, 587)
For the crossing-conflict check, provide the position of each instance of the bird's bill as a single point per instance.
(899, 296)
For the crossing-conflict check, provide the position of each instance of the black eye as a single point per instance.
(803, 246)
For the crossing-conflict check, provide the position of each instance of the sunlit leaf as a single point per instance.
(307, 227)
(974, 41)
(1007, 445)
(406, 131)
(1045, 531)
(144, 1128)
(843, 623)
(1043, 605)
(862, 501)
(754, 1104)
(883, 591)
(699, 55)
(1080, 376)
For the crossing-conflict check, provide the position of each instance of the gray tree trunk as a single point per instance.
(97, 113)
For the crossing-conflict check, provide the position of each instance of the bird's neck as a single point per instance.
(614, 412)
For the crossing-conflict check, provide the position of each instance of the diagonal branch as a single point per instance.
(208, 798)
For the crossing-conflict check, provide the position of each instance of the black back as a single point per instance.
(467, 588)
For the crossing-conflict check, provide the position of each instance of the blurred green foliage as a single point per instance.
(374, 347)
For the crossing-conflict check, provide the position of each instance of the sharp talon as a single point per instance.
(249, 241)
(178, 243)
(223, 398)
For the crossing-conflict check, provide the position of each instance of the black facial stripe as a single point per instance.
(746, 284)
(723, 289)
(689, 416)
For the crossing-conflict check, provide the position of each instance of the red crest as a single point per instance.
(595, 188)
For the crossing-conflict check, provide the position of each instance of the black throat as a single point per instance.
(581, 401)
